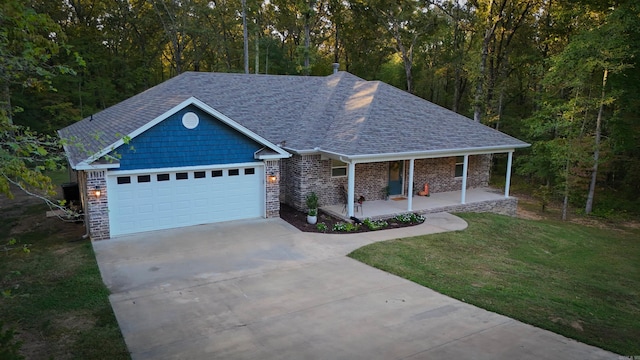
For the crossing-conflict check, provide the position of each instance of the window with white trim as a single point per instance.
(459, 166)
(338, 168)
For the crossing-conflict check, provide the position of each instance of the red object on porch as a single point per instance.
(425, 192)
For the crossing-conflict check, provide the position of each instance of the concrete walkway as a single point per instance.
(263, 290)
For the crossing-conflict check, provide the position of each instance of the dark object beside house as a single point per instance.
(71, 192)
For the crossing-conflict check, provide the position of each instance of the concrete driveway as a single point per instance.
(263, 290)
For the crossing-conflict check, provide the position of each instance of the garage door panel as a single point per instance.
(154, 205)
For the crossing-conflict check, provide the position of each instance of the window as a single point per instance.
(249, 171)
(216, 173)
(124, 180)
(162, 177)
(338, 168)
(182, 176)
(144, 178)
(459, 165)
(234, 172)
(199, 174)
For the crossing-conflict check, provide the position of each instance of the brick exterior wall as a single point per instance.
(302, 174)
(97, 208)
(306, 173)
(272, 198)
(439, 173)
(371, 180)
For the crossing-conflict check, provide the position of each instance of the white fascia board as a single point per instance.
(257, 156)
(272, 157)
(68, 155)
(421, 154)
(204, 107)
(186, 168)
(99, 166)
(315, 151)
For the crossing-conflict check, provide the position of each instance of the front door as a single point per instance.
(395, 177)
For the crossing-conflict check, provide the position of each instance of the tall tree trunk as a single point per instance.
(257, 63)
(307, 44)
(456, 89)
(565, 201)
(482, 70)
(500, 106)
(245, 36)
(596, 152)
(407, 57)
(5, 101)
(307, 37)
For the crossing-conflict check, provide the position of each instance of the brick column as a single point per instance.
(272, 203)
(97, 207)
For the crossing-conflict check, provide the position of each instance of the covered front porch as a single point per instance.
(476, 200)
(451, 200)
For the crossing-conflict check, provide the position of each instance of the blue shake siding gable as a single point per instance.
(170, 144)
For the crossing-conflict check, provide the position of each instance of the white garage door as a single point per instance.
(162, 200)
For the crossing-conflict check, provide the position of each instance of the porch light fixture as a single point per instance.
(97, 192)
(271, 178)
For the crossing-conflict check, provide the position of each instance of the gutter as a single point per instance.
(414, 154)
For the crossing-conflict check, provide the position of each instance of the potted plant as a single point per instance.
(312, 205)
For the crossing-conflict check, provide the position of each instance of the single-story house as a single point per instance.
(209, 147)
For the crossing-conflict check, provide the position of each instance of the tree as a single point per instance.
(28, 40)
(577, 86)
(498, 21)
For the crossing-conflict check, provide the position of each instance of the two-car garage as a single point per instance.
(168, 198)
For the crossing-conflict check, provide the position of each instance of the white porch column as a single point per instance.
(351, 184)
(465, 167)
(410, 187)
(507, 182)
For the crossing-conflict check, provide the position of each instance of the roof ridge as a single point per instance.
(318, 116)
(352, 119)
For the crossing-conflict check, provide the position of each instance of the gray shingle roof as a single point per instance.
(339, 113)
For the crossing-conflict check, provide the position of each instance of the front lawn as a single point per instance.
(578, 281)
(51, 291)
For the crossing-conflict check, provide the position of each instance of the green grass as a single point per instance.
(53, 295)
(581, 282)
(59, 176)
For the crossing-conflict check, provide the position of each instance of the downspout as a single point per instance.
(85, 203)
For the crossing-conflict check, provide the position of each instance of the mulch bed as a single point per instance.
(299, 220)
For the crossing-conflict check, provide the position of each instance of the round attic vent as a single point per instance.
(190, 120)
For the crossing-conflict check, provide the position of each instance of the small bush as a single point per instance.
(375, 225)
(312, 200)
(322, 227)
(409, 218)
(345, 227)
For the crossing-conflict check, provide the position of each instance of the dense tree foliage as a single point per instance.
(560, 74)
